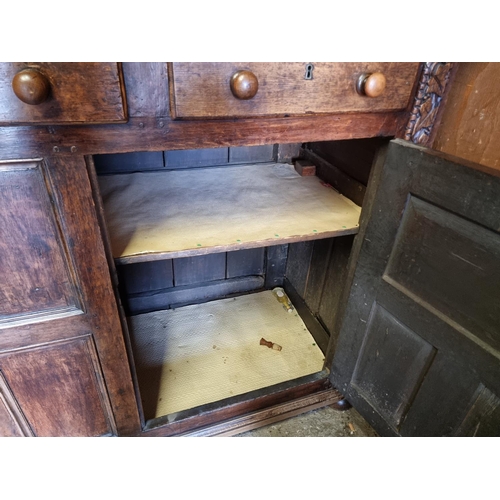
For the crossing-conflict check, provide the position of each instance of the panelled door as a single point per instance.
(419, 340)
(63, 363)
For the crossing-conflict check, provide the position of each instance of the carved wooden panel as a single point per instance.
(58, 388)
(431, 91)
(35, 271)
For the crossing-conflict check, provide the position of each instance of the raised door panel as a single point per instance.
(58, 389)
(419, 346)
(12, 421)
(37, 278)
(63, 362)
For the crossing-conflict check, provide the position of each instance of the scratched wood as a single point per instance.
(421, 299)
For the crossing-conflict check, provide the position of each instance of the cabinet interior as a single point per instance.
(216, 249)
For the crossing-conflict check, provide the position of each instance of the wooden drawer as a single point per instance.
(203, 90)
(70, 93)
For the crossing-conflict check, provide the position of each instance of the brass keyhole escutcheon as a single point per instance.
(309, 71)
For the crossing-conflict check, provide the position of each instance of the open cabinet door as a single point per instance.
(418, 352)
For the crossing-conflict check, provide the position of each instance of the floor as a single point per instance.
(324, 422)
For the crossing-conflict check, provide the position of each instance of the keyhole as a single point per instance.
(309, 71)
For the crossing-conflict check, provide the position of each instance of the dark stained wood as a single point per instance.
(298, 265)
(129, 162)
(8, 425)
(469, 127)
(251, 154)
(483, 417)
(389, 313)
(31, 86)
(203, 90)
(318, 332)
(79, 93)
(80, 227)
(245, 263)
(460, 394)
(342, 182)
(200, 269)
(269, 415)
(191, 294)
(213, 413)
(37, 276)
(69, 397)
(147, 134)
(432, 239)
(303, 273)
(320, 258)
(355, 158)
(336, 274)
(75, 203)
(276, 257)
(390, 348)
(12, 421)
(146, 276)
(196, 158)
(117, 289)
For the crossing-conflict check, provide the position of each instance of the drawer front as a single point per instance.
(68, 93)
(203, 90)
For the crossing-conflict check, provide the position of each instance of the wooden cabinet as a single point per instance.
(74, 265)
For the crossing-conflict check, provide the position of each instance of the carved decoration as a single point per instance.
(430, 93)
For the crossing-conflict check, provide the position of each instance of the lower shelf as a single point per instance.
(200, 354)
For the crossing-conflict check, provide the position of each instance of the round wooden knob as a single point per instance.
(371, 84)
(244, 85)
(31, 86)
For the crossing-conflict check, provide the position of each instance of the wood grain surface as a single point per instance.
(202, 90)
(470, 125)
(79, 93)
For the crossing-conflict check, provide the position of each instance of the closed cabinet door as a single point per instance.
(63, 364)
(419, 346)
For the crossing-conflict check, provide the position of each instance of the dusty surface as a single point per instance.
(325, 422)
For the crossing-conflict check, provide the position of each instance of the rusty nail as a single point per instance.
(141, 125)
(55, 149)
(73, 149)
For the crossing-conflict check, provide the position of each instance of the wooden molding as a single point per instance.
(431, 90)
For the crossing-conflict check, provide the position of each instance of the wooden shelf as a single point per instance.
(157, 215)
(203, 353)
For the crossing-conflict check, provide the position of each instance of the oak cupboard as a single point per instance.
(138, 214)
